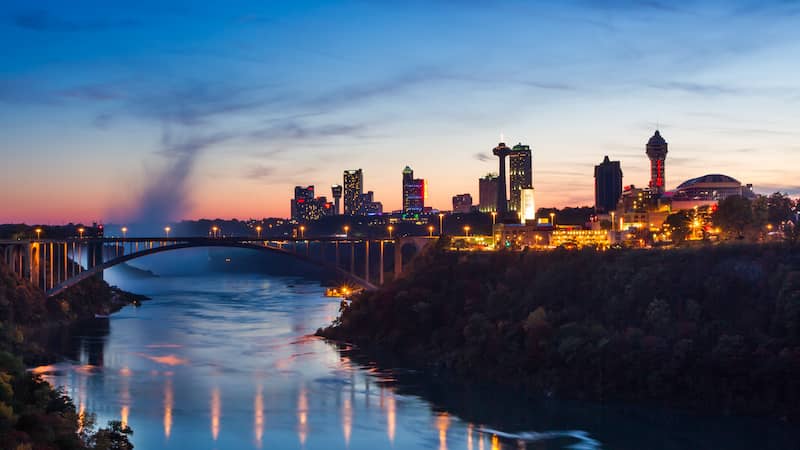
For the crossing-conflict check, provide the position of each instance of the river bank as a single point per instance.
(32, 413)
(714, 329)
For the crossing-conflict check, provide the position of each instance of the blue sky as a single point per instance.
(219, 108)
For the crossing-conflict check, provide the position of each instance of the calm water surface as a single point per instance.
(225, 361)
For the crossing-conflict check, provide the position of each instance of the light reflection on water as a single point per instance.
(226, 362)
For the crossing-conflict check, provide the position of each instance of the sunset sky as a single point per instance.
(218, 109)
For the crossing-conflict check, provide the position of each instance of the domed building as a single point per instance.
(707, 190)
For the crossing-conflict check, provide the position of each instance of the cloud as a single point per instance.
(293, 129)
(44, 21)
(482, 157)
(260, 172)
(697, 88)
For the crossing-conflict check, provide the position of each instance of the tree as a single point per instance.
(734, 214)
(679, 225)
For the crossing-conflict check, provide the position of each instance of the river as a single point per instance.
(222, 360)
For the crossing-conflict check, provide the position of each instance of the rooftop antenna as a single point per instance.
(502, 137)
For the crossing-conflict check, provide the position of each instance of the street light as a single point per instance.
(494, 217)
(346, 230)
(430, 230)
(38, 233)
(167, 230)
(553, 219)
(214, 230)
(466, 230)
(80, 231)
(441, 221)
(124, 232)
(302, 231)
(258, 230)
(390, 228)
(613, 225)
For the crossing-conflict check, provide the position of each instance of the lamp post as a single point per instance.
(441, 222)
(430, 230)
(80, 231)
(214, 230)
(494, 217)
(390, 229)
(613, 225)
(302, 231)
(466, 230)
(553, 219)
(346, 231)
(38, 233)
(124, 232)
(258, 231)
(167, 230)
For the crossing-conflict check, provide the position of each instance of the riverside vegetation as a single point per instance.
(34, 415)
(714, 329)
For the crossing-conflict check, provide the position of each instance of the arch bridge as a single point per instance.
(55, 265)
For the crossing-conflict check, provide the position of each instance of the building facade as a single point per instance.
(487, 193)
(353, 191)
(462, 204)
(369, 207)
(520, 174)
(656, 150)
(336, 190)
(413, 194)
(527, 212)
(306, 208)
(607, 186)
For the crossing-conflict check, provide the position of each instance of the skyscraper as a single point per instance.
(501, 151)
(336, 190)
(607, 185)
(305, 207)
(520, 174)
(462, 204)
(353, 191)
(487, 193)
(527, 211)
(656, 150)
(413, 194)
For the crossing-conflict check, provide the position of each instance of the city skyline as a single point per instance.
(93, 132)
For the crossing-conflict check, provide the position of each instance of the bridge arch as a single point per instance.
(99, 268)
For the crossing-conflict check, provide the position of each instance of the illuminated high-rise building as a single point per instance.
(520, 174)
(413, 194)
(353, 191)
(527, 212)
(336, 190)
(306, 207)
(487, 193)
(607, 186)
(657, 152)
(462, 204)
(501, 151)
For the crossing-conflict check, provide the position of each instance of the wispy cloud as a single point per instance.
(45, 21)
(697, 88)
(482, 157)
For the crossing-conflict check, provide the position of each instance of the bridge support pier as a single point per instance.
(366, 260)
(380, 266)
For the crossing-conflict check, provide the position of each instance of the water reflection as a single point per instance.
(390, 417)
(168, 401)
(258, 414)
(442, 423)
(302, 415)
(215, 412)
